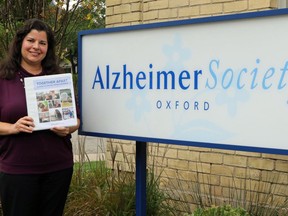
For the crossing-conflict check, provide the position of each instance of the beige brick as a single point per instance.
(233, 160)
(226, 192)
(249, 154)
(125, 167)
(235, 6)
(200, 167)
(221, 1)
(223, 151)
(259, 4)
(112, 2)
(192, 148)
(211, 157)
(168, 13)
(281, 166)
(185, 175)
(247, 173)
(119, 141)
(199, 2)
(274, 177)
(283, 178)
(161, 150)
(130, 17)
(260, 163)
(121, 9)
(159, 4)
(178, 164)
(113, 19)
(218, 191)
(108, 163)
(274, 3)
(135, 7)
(170, 153)
(150, 15)
(229, 182)
(281, 190)
(157, 161)
(188, 155)
(163, 182)
(211, 9)
(263, 187)
(208, 179)
(204, 189)
(222, 170)
(189, 11)
(160, 145)
(181, 147)
(281, 200)
(119, 157)
(170, 173)
(275, 156)
(109, 11)
(131, 149)
(178, 3)
(128, 1)
(145, 7)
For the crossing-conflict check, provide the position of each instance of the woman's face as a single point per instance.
(34, 48)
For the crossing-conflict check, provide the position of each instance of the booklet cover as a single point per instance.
(50, 100)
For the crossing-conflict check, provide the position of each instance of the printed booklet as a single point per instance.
(51, 101)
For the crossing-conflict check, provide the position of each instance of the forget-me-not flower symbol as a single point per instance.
(139, 104)
(231, 98)
(176, 53)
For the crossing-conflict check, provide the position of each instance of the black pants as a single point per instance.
(35, 195)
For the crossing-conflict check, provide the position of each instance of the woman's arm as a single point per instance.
(24, 124)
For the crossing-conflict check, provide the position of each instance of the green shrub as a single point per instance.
(97, 190)
(225, 210)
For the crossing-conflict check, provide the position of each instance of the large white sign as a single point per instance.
(214, 82)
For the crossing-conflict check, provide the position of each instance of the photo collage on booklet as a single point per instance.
(55, 105)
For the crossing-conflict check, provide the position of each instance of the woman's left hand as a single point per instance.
(61, 131)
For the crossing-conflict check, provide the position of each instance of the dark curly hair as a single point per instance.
(11, 64)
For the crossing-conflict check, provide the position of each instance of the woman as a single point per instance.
(35, 166)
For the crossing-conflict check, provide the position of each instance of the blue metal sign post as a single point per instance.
(141, 148)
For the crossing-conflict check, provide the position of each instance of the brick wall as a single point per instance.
(216, 173)
(130, 12)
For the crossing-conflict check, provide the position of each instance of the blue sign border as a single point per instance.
(231, 17)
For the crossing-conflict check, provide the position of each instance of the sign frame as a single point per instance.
(213, 19)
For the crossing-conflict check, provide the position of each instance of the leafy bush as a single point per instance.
(225, 210)
(97, 190)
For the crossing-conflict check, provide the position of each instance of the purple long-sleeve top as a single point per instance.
(39, 152)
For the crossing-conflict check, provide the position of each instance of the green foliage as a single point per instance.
(66, 18)
(156, 198)
(225, 210)
(97, 190)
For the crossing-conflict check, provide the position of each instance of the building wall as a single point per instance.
(130, 12)
(217, 173)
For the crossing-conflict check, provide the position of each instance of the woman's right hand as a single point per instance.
(24, 124)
